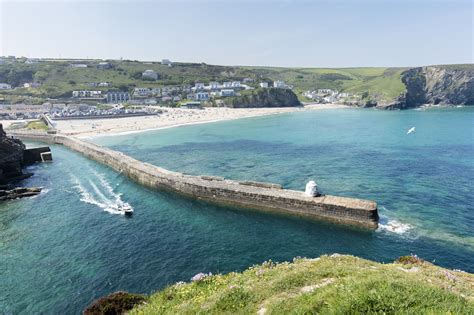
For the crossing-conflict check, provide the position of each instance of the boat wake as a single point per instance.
(97, 191)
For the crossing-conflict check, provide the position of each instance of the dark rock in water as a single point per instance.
(18, 192)
(115, 303)
(14, 156)
(11, 157)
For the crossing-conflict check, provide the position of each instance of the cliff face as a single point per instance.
(448, 85)
(11, 157)
(263, 98)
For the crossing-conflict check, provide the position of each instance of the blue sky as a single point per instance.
(278, 33)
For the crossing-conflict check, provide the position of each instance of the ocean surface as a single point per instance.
(66, 247)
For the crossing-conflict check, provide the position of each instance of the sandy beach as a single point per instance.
(171, 117)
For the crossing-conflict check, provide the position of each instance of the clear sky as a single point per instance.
(279, 33)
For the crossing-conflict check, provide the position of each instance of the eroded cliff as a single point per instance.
(436, 85)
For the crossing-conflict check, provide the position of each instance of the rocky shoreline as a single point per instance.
(13, 157)
(8, 193)
(434, 85)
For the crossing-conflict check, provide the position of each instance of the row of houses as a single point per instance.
(326, 95)
(63, 110)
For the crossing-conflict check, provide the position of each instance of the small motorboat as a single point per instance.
(125, 209)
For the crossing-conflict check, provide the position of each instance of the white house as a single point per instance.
(141, 92)
(227, 92)
(78, 65)
(166, 62)
(117, 96)
(31, 85)
(156, 91)
(201, 96)
(264, 85)
(227, 84)
(236, 84)
(150, 75)
(199, 86)
(213, 85)
(104, 84)
(32, 61)
(104, 65)
(279, 84)
(86, 93)
(5, 86)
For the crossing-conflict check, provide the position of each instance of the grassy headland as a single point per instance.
(58, 79)
(328, 285)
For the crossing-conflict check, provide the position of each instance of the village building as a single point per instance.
(227, 92)
(117, 97)
(5, 86)
(166, 62)
(104, 65)
(192, 105)
(78, 65)
(201, 96)
(141, 92)
(279, 84)
(86, 94)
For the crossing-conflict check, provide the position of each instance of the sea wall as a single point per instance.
(253, 195)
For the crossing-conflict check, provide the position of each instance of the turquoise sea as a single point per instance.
(66, 247)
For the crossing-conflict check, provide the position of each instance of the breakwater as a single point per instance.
(254, 195)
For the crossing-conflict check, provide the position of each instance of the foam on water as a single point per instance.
(395, 226)
(103, 197)
(390, 225)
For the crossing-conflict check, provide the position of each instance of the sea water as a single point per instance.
(67, 246)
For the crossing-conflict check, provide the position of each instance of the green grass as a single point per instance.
(37, 125)
(328, 285)
(59, 80)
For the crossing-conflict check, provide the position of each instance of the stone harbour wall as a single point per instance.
(253, 195)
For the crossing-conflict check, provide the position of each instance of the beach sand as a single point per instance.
(171, 117)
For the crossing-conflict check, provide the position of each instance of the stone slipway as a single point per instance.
(254, 195)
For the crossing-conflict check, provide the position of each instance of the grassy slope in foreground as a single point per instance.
(329, 284)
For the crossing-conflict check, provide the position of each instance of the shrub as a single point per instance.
(409, 260)
(115, 303)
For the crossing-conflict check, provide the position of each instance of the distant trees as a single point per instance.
(15, 77)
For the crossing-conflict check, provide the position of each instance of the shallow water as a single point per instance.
(62, 249)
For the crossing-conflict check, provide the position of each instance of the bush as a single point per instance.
(115, 303)
(409, 260)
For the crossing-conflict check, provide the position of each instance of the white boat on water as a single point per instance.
(124, 209)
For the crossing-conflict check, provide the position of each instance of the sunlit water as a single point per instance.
(68, 246)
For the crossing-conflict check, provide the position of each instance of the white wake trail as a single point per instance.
(103, 197)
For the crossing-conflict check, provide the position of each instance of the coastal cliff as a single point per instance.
(335, 284)
(270, 97)
(11, 158)
(436, 85)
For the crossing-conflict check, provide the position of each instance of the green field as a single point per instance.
(327, 285)
(59, 80)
